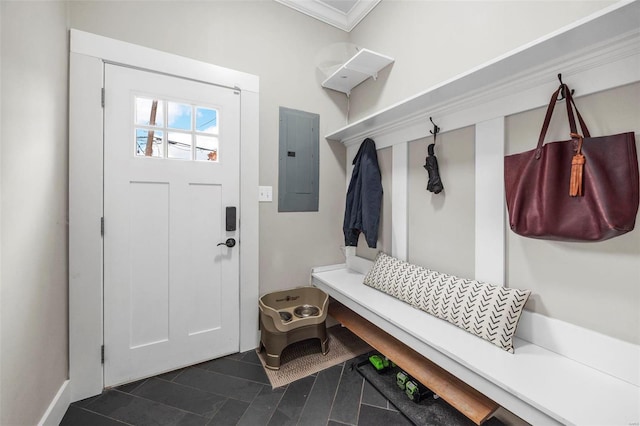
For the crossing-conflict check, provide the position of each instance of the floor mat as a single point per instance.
(305, 358)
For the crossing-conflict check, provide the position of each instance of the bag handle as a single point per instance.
(572, 121)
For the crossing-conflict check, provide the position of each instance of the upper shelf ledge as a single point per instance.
(585, 43)
(360, 67)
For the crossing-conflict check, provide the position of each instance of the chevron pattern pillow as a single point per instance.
(486, 310)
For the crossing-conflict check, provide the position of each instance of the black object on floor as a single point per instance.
(427, 412)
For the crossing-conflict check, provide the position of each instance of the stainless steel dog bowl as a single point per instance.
(286, 316)
(305, 311)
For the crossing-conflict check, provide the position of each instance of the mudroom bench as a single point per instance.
(559, 373)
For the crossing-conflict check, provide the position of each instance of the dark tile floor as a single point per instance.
(235, 391)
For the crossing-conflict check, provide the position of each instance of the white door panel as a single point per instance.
(171, 294)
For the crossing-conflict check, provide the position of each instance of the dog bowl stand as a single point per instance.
(291, 316)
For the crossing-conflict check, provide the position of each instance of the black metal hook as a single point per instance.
(562, 94)
(436, 129)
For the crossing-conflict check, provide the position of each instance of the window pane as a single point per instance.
(149, 143)
(179, 145)
(171, 129)
(149, 112)
(206, 148)
(179, 116)
(206, 120)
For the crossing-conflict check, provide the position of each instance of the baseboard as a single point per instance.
(58, 407)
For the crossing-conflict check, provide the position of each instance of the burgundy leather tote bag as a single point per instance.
(582, 189)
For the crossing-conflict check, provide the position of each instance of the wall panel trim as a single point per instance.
(490, 230)
(399, 201)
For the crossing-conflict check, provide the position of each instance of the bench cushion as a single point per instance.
(486, 310)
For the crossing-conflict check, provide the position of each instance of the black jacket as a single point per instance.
(364, 197)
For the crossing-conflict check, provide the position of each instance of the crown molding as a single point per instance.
(322, 11)
(359, 11)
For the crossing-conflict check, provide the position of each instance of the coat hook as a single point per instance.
(562, 85)
(436, 129)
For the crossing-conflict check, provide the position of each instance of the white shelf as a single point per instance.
(593, 54)
(360, 67)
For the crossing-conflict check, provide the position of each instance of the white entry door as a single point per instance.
(171, 292)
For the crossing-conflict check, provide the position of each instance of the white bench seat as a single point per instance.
(540, 386)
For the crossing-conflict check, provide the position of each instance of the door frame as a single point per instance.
(88, 53)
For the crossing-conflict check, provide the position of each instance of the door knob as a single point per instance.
(229, 243)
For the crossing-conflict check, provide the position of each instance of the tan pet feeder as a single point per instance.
(291, 316)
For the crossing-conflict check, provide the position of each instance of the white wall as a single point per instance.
(433, 41)
(33, 332)
(441, 227)
(279, 45)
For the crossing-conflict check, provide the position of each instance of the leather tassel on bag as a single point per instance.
(577, 169)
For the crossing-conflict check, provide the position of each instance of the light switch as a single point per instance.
(265, 194)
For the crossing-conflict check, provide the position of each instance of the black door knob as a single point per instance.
(229, 243)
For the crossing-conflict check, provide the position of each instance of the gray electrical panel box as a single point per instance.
(298, 161)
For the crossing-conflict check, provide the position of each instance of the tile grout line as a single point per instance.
(278, 404)
(195, 388)
(140, 383)
(361, 396)
(335, 392)
(87, 408)
(306, 401)
(252, 363)
(105, 416)
(237, 377)
(167, 405)
(249, 406)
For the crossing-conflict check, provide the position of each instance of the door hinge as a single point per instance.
(102, 226)
(102, 354)
(102, 97)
